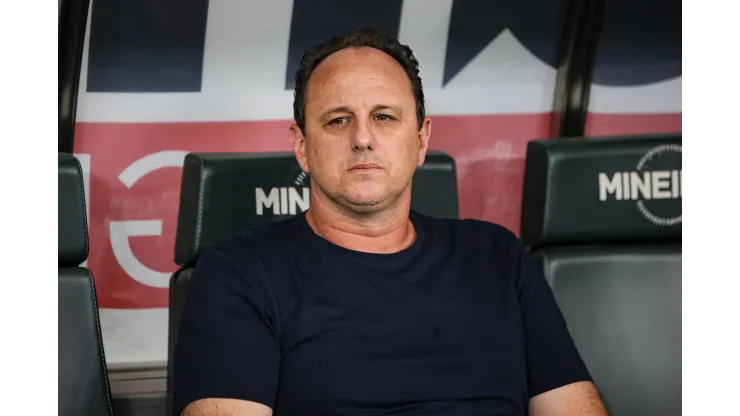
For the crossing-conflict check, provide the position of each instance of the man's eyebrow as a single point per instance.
(393, 108)
(340, 109)
(346, 109)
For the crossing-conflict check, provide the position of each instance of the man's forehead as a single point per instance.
(363, 74)
(357, 55)
(367, 63)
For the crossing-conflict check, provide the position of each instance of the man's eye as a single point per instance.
(337, 121)
(384, 117)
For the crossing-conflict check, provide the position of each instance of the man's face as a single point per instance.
(362, 142)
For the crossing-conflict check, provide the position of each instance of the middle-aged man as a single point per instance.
(361, 306)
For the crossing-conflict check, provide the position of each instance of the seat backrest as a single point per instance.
(83, 381)
(603, 217)
(223, 193)
(226, 192)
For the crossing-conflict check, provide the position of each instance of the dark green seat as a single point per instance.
(83, 380)
(613, 259)
(224, 193)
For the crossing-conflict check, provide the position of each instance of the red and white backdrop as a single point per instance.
(217, 76)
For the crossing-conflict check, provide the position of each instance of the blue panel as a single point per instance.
(640, 43)
(315, 21)
(147, 45)
(537, 24)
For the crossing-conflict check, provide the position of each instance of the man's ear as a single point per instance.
(424, 133)
(298, 143)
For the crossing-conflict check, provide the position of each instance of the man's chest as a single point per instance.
(359, 337)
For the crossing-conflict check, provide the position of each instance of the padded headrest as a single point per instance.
(223, 193)
(602, 190)
(73, 247)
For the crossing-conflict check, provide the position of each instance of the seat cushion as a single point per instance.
(623, 308)
(178, 291)
(83, 381)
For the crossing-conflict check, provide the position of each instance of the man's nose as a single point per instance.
(363, 137)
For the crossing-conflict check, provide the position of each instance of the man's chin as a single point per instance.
(365, 202)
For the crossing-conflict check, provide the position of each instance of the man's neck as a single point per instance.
(383, 232)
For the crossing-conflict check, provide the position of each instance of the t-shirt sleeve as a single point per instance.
(228, 345)
(552, 358)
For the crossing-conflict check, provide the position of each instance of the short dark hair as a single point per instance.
(357, 39)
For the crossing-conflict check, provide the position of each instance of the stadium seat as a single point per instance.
(83, 380)
(223, 193)
(603, 218)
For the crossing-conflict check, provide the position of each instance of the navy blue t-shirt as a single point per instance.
(462, 322)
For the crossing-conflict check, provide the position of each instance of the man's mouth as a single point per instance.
(365, 166)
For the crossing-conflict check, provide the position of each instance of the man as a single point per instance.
(361, 306)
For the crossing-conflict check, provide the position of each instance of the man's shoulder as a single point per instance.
(248, 244)
(472, 229)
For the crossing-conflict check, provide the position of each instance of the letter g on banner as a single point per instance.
(120, 231)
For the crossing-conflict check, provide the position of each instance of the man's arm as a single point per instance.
(559, 381)
(227, 356)
(226, 407)
(576, 399)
